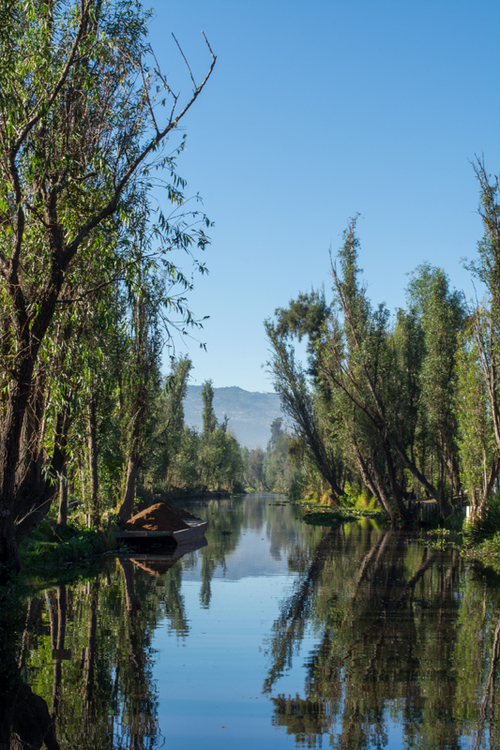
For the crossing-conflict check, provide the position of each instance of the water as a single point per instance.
(274, 633)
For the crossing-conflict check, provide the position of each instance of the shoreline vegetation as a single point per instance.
(53, 554)
(477, 540)
(399, 411)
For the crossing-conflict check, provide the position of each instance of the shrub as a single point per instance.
(486, 525)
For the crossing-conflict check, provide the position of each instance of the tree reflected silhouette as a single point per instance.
(387, 612)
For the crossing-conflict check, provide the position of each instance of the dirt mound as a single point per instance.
(159, 517)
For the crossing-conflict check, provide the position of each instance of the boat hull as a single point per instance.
(183, 536)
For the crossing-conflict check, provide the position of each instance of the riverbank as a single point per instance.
(479, 543)
(64, 554)
(74, 553)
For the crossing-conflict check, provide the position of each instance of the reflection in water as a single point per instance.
(387, 647)
(273, 633)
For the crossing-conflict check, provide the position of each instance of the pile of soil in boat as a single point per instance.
(159, 517)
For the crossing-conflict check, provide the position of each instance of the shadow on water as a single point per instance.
(379, 637)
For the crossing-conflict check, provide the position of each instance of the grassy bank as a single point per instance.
(63, 554)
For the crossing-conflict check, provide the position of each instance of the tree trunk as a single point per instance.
(25, 493)
(62, 517)
(395, 485)
(10, 439)
(127, 505)
(9, 553)
(95, 510)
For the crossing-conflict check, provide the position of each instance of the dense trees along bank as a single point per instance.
(90, 282)
(405, 406)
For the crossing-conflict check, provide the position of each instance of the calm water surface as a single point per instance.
(275, 633)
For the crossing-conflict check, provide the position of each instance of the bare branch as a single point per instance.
(184, 57)
(112, 204)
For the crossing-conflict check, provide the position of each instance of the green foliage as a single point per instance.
(182, 461)
(397, 407)
(304, 318)
(295, 493)
(254, 468)
(337, 516)
(278, 469)
(352, 498)
(91, 293)
(220, 461)
(486, 524)
(209, 418)
(475, 424)
(49, 548)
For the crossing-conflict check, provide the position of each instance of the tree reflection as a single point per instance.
(25, 721)
(139, 699)
(229, 517)
(288, 630)
(86, 651)
(386, 612)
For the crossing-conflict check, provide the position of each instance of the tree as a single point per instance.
(220, 457)
(209, 418)
(254, 467)
(441, 314)
(479, 404)
(279, 471)
(171, 437)
(362, 360)
(377, 403)
(297, 401)
(479, 453)
(78, 140)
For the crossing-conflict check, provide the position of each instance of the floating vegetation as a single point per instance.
(338, 516)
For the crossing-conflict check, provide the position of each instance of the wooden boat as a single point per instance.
(196, 530)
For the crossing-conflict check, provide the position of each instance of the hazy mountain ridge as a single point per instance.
(250, 413)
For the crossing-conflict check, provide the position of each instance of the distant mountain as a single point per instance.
(250, 414)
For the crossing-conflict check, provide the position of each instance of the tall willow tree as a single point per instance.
(80, 131)
(379, 404)
(357, 366)
(440, 312)
(171, 435)
(479, 405)
(298, 389)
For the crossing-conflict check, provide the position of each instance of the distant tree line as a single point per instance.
(273, 469)
(402, 407)
(181, 460)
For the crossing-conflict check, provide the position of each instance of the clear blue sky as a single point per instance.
(316, 111)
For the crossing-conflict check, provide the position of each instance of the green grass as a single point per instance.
(62, 553)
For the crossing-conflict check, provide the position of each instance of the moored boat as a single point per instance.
(196, 529)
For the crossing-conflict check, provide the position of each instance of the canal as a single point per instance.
(274, 634)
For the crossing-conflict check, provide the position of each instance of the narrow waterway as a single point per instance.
(274, 634)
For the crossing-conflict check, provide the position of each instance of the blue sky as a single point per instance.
(317, 111)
